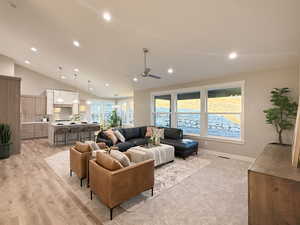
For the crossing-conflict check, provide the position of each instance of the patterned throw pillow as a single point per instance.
(119, 136)
(110, 134)
(159, 132)
(121, 157)
(93, 145)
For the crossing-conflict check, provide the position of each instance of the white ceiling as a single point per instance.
(194, 37)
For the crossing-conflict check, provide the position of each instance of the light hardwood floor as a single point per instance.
(32, 194)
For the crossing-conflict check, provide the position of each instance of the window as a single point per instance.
(188, 112)
(224, 107)
(125, 111)
(214, 111)
(162, 111)
(101, 111)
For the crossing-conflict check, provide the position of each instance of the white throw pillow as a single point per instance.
(159, 132)
(121, 157)
(119, 136)
(93, 145)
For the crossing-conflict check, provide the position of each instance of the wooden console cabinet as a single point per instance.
(274, 188)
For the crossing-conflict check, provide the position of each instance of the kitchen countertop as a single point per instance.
(34, 122)
(67, 124)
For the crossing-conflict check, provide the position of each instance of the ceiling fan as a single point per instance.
(147, 70)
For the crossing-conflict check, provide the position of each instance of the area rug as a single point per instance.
(166, 177)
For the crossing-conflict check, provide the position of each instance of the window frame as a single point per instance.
(176, 113)
(153, 113)
(203, 110)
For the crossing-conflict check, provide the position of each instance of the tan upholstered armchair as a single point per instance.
(115, 187)
(78, 163)
(79, 156)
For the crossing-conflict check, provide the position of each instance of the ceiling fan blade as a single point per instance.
(154, 76)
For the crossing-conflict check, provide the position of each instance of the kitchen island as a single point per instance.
(68, 133)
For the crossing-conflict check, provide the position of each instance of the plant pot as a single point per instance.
(4, 151)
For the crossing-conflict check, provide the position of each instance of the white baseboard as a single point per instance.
(227, 155)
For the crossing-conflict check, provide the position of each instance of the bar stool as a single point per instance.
(84, 134)
(73, 135)
(60, 132)
(92, 131)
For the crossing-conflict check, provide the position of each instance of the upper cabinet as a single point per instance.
(31, 107)
(50, 102)
(65, 97)
(27, 108)
(59, 97)
(40, 105)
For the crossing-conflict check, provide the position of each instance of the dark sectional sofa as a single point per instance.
(136, 136)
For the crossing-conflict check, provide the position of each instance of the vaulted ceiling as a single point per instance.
(194, 37)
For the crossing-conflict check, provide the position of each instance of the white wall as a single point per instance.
(34, 83)
(257, 95)
(6, 66)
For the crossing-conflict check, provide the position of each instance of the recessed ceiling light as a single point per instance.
(63, 77)
(135, 79)
(106, 85)
(232, 55)
(27, 62)
(76, 70)
(170, 71)
(88, 102)
(33, 49)
(76, 43)
(106, 16)
(75, 101)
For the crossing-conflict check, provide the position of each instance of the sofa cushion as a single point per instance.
(111, 135)
(173, 133)
(138, 141)
(143, 131)
(108, 162)
(121, 157)
(119, 135)
(181, 144)
(124, 146)
(149, 132)
(130, 133)
(82, 147)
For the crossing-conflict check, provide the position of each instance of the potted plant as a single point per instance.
(5, 141)
(115, 120)
(283, 113)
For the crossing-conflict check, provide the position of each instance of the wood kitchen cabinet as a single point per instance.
(34, 130)
(32, 107)
(27, 131)
(27, 109)
(40, 130)
(40, 105)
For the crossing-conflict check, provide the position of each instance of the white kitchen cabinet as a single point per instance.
(60, 97)
(50, 102)
(65, 97)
